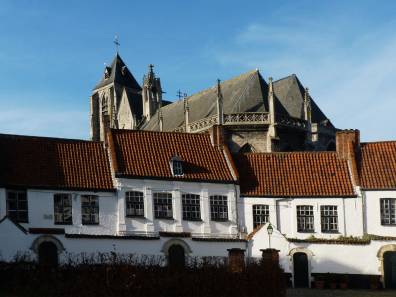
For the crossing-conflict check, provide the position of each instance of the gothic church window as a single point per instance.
(388, 211)
(329, 218)
(134, 204)
(260, 215)
(163, 205)
(63, 209)
(17, 206)
(305, 218)
(191, 207)
(218, 208)
(105, 107)
(90, 209)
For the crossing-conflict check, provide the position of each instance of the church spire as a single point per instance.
(151, 93)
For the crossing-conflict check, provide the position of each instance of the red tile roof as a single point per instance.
(295, 174)
(378, 165)
(147, 154)
(40, 162)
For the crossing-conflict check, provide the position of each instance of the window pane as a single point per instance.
(163, 205)
(218, 208)
(191, 207)
(17, 205)
(260, 215)
(90, 209)
(388, 211)
(305, 218)
(134, 203)
(329, 218)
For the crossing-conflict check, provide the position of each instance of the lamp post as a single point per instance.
(270, 230)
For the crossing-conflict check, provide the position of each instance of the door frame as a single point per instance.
(380, 255)
(309, 260)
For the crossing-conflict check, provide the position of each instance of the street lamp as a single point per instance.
(270, 230)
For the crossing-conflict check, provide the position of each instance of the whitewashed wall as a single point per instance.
(177, 188)
(283, 215)
(373, 213)
(322, 258)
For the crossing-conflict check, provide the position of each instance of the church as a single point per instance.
(259, 116)
(244, 165)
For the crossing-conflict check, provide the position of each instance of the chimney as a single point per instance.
(348, 148)
(217, 136)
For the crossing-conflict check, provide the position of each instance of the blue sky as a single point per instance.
(53, 52)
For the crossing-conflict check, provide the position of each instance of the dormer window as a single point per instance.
(176, 164)
(107, 72)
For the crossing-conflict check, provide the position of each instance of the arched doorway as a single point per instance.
(48, 254)
(176, 256)
(300, 270)
(390, 270)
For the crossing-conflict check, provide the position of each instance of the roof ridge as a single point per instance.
(158, 132)
(4, 135)
(294, 153)
(286, 77)
(378, 142)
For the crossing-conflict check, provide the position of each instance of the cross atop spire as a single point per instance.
(117, 43)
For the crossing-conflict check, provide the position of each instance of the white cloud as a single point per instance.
(352, 79)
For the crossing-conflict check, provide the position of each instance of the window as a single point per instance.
(388, 211)
(260, 215)
(134, 204)
(305, 218)
(163, 206)
(329, 218)
(63, 209)
(191, 207)
(90, 209)
(17, 206)
(176, 164)
(218, 208)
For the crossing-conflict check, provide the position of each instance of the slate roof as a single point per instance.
(378, 165)
(146, 154)
(117, 76)
(245, 93)
(41, 162)
(242, 93)
(294, 174)
(289, 93)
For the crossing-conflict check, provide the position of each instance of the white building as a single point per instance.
(333, 212)
(176, 194)
(155, 193)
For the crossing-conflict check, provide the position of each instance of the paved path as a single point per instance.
(339, 293)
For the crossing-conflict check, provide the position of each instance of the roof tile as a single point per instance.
(41, 162)
(147, 154)
(294, 174)
(378, 165)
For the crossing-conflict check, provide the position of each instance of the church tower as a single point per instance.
(116, 102)
(151, 94)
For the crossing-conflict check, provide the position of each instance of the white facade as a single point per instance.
(108, 235)
(283, 215)
(357, 217)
